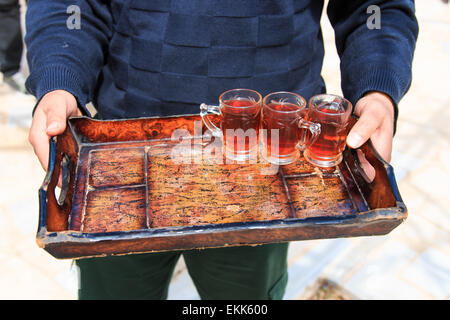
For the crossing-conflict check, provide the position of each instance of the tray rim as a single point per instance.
(365, 217)
(49, 240)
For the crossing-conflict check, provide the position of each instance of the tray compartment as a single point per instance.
(116, 167)
(316, 195)
(115, 209)
(195, 194)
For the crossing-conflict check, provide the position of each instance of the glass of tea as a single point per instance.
(282, 120)
(333, 113)
(239, 115)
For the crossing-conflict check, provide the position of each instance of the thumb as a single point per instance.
(58, 106)
(56, 120)
(363, 129)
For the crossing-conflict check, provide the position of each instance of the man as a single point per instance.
(145, 58)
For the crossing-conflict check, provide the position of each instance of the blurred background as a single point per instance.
(412, 262)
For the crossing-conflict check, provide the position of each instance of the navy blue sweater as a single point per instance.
(159, 57)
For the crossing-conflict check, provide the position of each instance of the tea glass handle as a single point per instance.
(313, 127)
(205, 110)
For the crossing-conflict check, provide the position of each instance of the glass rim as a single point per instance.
(303, 106)
(240, 89)
(347, 110)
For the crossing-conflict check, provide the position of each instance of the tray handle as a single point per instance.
(58, 207)
(378, 185)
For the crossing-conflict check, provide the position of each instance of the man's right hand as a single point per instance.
(49, 120)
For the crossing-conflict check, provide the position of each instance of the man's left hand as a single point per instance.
(376, 122)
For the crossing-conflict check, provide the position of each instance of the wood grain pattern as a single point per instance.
(315, 196)
(116, 209)
(117, 166)
(196, 194)
(143, 129)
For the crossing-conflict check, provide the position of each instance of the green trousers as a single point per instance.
(256, 272)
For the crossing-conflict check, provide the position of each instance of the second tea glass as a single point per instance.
(282, 119)
(333, 113)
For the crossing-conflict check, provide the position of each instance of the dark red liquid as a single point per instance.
(333, 132)
(242, 118)
(284, 118)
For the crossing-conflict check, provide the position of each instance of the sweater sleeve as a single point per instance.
(374, 57)
(66, 44)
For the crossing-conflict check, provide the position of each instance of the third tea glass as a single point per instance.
(333, 113)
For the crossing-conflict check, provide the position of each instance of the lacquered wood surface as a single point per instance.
(131, 177)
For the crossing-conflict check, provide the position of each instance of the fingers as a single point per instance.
(382, 141)
(38, 137)
(366, 166)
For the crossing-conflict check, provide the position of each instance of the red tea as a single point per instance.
(239, 113)
(332, 112)
(333, 132)
(240, 124)
(283, 118)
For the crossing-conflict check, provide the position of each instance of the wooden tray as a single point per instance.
(134, 186)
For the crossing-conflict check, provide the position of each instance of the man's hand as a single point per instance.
(376, 122)
(49, 120)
